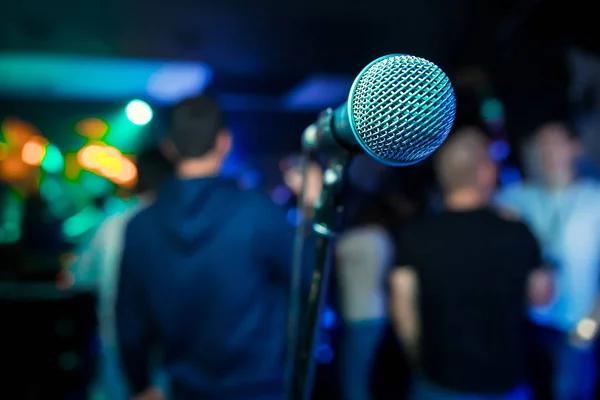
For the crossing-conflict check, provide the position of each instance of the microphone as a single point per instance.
(400, 109)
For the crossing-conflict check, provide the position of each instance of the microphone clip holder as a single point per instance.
(320, 137)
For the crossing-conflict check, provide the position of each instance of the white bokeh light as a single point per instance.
(139, 112)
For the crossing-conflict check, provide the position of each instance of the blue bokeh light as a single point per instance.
(510, 175)
(499, 150)
(328, 318)
(281, 195)
(175, 81)
(324, 354)
(294, 216)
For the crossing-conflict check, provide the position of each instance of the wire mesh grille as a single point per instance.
(402, 108)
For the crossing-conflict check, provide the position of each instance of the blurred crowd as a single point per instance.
(495, 295)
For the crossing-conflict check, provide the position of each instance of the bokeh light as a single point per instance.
(128, 174)
(328, 318)
(294, 216)
(108, 162)
(17, 132)
(510, 175)
(139, 112)
(92, 128)
(3, 151)
(492, 109)
(72, 167)
(324, 354)
(14, 168)
(33, 152)
(53, 161)
(281, 195)
(88, 156)
(499, 150)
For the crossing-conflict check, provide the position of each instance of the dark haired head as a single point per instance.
(197, 121)
(153, 169)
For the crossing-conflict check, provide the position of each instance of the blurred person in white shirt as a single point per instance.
(364, 255)
(563, 211)
(99, 264)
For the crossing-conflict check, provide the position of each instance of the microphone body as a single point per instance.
(399, 110)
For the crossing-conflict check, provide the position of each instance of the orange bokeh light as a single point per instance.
(128, 173)
(89, 156)
(33, 152)
(3, 151)
(17, 132)
(14, 168)
(109, 162)
(92, 128)
(72, 167)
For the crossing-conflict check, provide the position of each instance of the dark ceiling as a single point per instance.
(266, 47)
(266, 44)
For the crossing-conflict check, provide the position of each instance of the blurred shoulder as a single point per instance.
(590, 188)
(516, 200)
(515, 192)
(512, 223)
(506, 214)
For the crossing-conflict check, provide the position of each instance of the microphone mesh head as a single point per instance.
(401, 109)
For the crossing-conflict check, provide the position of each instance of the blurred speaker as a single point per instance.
(48, 342)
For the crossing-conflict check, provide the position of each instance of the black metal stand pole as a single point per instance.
(326, 216)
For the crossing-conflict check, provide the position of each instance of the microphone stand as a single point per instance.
(326, 218)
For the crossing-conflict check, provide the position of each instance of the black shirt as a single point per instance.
(472, 268)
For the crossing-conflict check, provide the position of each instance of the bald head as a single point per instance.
(463, 162)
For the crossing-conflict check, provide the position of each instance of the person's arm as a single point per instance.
(87, 269)
(132, 317)
(404, 309)
(278, 238)
(511, 200)
(540, 280)
(587, 328)
(540, 286)
(363, 262)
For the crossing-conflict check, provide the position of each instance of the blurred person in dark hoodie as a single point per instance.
(205, 274)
